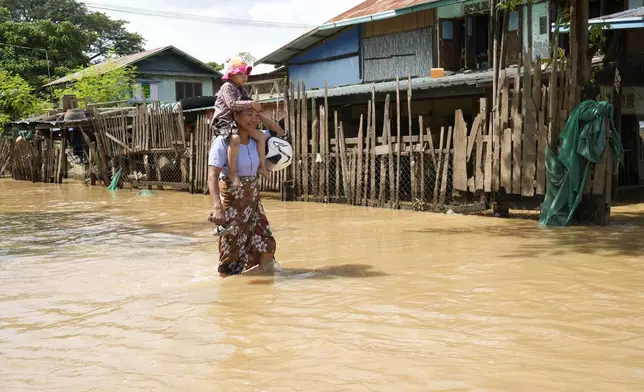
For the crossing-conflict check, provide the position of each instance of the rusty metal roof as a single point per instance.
(371, 7)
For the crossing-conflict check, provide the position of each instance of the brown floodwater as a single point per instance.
(114, 291)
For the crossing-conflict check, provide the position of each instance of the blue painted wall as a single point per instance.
(320, 63)
(336, 73)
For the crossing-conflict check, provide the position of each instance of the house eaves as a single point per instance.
(132, 59)
(329, 29)
(629, 19)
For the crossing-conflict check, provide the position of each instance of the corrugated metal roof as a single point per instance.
(305, 41)
(477, 78)
(371, 7)
(131, 59)
(636, 13)
(422, 83)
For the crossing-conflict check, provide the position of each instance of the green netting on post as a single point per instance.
(583, 142)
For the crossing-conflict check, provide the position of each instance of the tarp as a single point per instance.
(583, 142)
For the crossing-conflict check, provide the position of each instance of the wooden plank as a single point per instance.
(397, 199)
(297, 145)
(191, 169)
(431, 147)
(373, 147)
(327, 154)
(117, 141)
(489, 175)
(390, 157)
(498, 131)
(344, 164)
(460, 153)
(505, 100)
(315, 142)
(506, 161)
(439, 166)
(337, 156)
(478, 172)
(412, 171)
(446, 168)
(421, 131)
(323, 189)
(305, 143)
(542, 141)
(365, 192)
(291, 121)
(537, 85)
(473, 136)
(516, 154)
(383, 181)
(360, 159)
(529, 158)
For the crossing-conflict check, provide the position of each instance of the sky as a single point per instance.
(210, 41)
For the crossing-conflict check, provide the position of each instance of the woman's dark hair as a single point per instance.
(590, 90)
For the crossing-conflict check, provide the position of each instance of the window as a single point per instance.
(513, 25)
(188, 90)
(543, 25)
(448, 29)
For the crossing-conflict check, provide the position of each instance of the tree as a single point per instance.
(72, 36)
(114, 85)
(16, 98)
(107, 35)
(216, 66)
(247, 57)
(26, 46)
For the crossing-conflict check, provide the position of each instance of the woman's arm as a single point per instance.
(213, 187)
(271, 125)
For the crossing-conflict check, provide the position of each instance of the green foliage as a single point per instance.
(16, 98)
(509, 5)
(114, 85)
(216, 66)
(72, 36)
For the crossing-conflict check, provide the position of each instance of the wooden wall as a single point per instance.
(407, 22)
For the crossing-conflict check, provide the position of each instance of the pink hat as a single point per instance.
(235, 66)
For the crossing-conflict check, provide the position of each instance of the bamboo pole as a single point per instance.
(305, 143)
(439, 167)
(327, 154)
(374, 142)
(360, 152)
(390, 154)
(446, 168)
(315, 139)
(322, 158)
(337, 156)
(365, 193)
(343, 157)
(412, 169)
(398, 143)
(421, 131)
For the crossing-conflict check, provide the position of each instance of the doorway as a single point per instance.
(477, 41)
(629, 174)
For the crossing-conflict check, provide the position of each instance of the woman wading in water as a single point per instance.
(249, 242)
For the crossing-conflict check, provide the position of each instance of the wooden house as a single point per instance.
(377, 41)
(164, 74)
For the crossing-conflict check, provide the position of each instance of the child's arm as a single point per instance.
(271, 125)
(231, 98)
